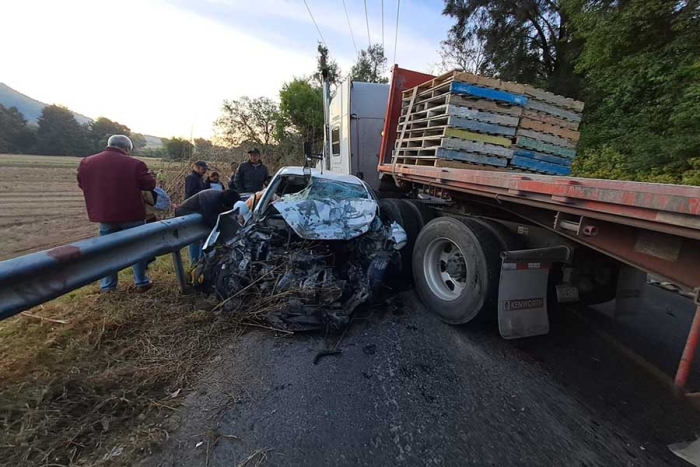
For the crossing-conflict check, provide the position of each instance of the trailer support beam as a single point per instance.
(686, 362)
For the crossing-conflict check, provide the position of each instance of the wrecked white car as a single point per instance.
(314, 249)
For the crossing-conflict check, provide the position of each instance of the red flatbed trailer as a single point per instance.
(652, 227)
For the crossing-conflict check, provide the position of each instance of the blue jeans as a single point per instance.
(140, 278)
(195, 250)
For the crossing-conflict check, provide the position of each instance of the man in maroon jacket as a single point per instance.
(112, 183)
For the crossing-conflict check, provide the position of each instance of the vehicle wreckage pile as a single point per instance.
(307, 263)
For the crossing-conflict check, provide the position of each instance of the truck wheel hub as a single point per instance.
(445, 269)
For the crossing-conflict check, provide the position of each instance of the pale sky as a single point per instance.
(163, 67)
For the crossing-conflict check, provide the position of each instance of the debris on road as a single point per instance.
(689, 452)
(308, 259)
(256, 459)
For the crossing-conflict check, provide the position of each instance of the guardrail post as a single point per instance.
(180, 272)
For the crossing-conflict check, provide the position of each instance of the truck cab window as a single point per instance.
(335, 141)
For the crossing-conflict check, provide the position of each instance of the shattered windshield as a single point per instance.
(322, 189)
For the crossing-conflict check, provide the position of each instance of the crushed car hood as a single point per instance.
(330, 219)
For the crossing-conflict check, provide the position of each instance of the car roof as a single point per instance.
(315, 173)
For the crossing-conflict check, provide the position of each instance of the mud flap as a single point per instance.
(522, 291)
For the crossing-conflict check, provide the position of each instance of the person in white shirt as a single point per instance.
(213, 182)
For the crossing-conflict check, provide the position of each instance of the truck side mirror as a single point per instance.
(307, 149)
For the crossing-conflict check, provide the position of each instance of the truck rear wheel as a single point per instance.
(421, 210)
(507, 240)
(398, 211)
(456, 268)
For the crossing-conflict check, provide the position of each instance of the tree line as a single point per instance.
(58, 133)
(635, 63)
(279, 128)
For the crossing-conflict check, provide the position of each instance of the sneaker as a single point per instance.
(144, 288)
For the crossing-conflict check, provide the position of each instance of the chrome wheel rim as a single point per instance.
(445, 269)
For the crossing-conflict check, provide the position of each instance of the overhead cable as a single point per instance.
(312, 19)
(349, 26)
(369, 41)
(382, 24)
(396, 35)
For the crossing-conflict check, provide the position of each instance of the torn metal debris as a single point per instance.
(314, 250)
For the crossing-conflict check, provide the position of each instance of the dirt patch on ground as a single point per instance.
(41, 205)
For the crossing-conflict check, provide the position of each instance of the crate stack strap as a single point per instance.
(461, 118)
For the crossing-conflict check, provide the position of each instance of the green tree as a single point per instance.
(207, 150)
(248, 120)
(461, 54)
(641, 63)
(179, 149)
(60, 134)
(139, 141)
(301, 111)
(325, 62)
(370, 66)
(101, 129)
(15, 135)
(529, 41)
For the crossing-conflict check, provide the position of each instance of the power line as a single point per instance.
(369, 41)
(382, 24)
(312, 19)
(351, 34)
(396, 36)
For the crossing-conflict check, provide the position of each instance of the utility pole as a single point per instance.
(327, 143)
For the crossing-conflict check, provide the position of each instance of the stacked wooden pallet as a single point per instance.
(478, 120)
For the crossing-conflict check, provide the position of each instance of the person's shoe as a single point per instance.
(144, 288)
(107, 291)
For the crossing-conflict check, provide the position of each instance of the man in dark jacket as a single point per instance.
(209, 203)
(194, 182)
(252, 174)
(112, 183)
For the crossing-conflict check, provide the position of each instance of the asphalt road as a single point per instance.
(410, 390)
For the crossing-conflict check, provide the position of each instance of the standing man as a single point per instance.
(251, 175)
(194, 182)
(112, 183)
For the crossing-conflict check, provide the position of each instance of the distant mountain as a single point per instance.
(32, 108)
(153, 142)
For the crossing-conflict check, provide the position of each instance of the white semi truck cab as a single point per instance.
(356, 120)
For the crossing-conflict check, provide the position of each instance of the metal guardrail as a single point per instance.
(31, 280)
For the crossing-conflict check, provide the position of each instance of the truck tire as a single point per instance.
(456, 267)
(506, 239)
(398, 210)
(421, 210)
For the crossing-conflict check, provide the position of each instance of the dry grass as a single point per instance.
(103, 382)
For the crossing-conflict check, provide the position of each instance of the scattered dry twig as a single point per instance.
(43, 318)
(258, 456)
